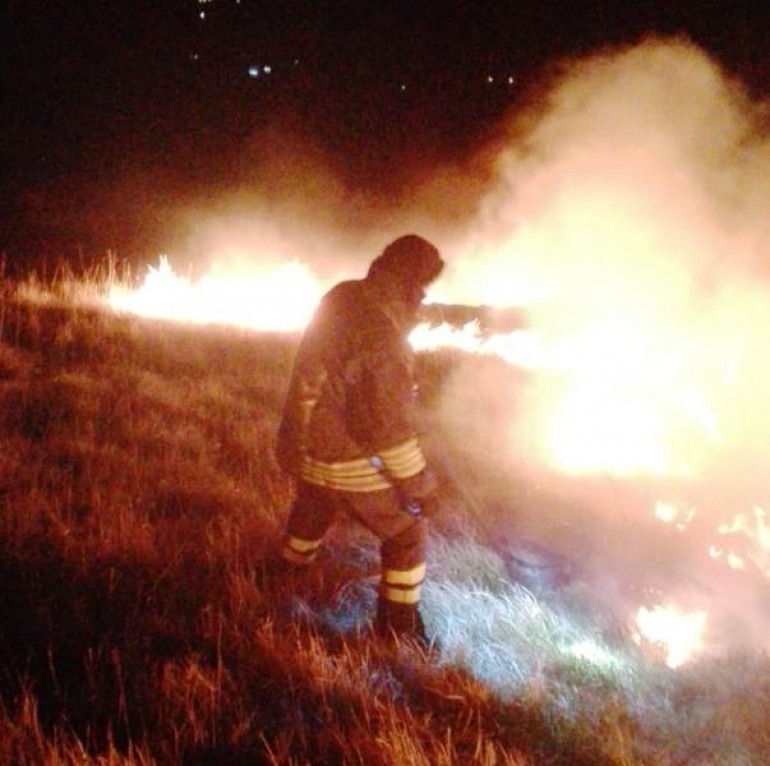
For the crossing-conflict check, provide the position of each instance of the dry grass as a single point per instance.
(139, 499)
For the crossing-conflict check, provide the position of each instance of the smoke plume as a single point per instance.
(630, 215)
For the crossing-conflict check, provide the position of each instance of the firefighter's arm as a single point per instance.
(393, 433)
(308, 378)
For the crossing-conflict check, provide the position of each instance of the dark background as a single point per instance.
(112, 111)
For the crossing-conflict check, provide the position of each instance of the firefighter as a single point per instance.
(348, 430)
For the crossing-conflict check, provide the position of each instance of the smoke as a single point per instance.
(631, 216)
(641, 162)
(289, 197)
(283, 201)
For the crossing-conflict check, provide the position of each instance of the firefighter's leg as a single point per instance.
(310, 517)
(403, 543)
(403, 572)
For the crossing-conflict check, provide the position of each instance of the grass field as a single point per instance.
(139, 499)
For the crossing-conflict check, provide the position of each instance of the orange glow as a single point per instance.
(628, 221)
(630, 224)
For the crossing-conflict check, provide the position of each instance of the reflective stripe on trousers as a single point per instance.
(403, 586)
(300, 551)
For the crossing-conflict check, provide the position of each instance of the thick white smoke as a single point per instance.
(637, 201)
(632, 218)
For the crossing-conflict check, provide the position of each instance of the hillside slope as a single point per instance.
(140, 498)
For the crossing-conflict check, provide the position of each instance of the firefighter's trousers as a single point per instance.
(402, 536)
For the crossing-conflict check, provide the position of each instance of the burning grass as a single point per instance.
(140, 498)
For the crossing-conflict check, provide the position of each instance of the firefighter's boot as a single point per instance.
(395, 621)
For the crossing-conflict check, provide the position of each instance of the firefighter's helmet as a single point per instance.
(409, 259)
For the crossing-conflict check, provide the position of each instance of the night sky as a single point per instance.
(112, 110)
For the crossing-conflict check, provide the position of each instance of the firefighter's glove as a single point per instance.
(429, 505)
(424, 507)
(420, 494)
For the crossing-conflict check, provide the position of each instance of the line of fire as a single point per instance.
(587, 432)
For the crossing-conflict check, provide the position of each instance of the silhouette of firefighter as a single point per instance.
(348, 431)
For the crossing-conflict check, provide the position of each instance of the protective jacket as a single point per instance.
(349, 420)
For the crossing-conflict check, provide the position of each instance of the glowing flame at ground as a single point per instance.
(744, 541)
(678, 634)
(750, 532)
(671, 514)
(623, 223)
(282, 298)
(618, 400)
(613, 396)
(519, 347)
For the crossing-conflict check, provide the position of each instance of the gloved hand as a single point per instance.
(429, 505)
(424, 507)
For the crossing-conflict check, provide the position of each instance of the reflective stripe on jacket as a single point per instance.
(366, 474)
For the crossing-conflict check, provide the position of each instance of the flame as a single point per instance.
(615, 397)
(746, 537)
(672, 514)
(282, 298)
(752, 532)
(521, 348)
(678, 634)
(612, 395)
(629, 219)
